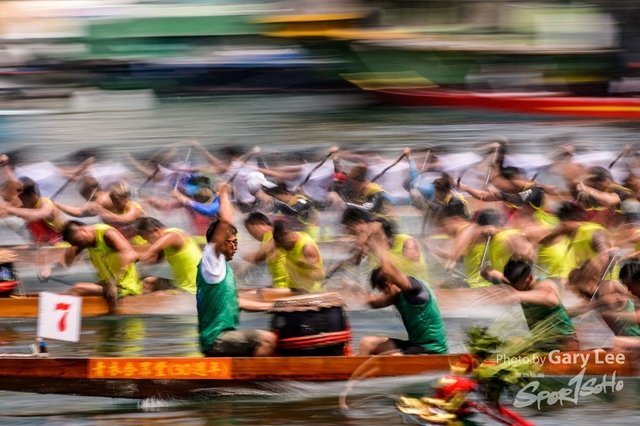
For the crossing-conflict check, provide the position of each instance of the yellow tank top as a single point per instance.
(472, 262)
(184, 262)
(409, 267)
(107, 263)
(556, 259)
(277, 264)
(580, 246)
(300, 274)
(56, 225)
(546, 220)
(637, 247)
(499, 252)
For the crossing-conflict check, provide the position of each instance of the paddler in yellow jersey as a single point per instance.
(601, 197)
(112, 256)
(261, 229)
(43, 219)
(468, 243)
(501, 246)
(527, 202)
(363, 194)
(180, 250)
(587, 239)
(404, 251)
(303, 259)
(91, 191)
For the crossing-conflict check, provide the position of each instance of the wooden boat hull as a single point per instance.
(201, 377)
(609, 108)
(185, 304)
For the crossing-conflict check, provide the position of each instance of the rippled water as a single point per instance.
(287, 122)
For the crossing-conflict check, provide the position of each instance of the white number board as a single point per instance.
(59, 317)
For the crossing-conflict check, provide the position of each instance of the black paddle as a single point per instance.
(324, 160)
(387, 168)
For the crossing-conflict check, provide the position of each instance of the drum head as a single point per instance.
(308, 302)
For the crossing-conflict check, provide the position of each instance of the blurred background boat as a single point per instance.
(53, 48)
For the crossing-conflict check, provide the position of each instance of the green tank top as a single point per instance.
(423, 323)
(184, 262)
(277, 264)
(107, 263)
(622, 325)
(217, 306)
(561, 323)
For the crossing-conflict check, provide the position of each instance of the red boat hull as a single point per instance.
(520, 103)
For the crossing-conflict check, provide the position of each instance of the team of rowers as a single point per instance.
(517, 236)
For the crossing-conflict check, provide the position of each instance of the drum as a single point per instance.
(311, 325)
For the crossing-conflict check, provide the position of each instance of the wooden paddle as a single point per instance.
(625, 151)
(332, 151)
(75, 175)
(376, 177)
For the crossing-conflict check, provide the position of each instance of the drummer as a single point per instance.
(413, 299)
(217, 300)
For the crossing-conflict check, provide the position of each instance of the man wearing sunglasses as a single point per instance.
(217, 298)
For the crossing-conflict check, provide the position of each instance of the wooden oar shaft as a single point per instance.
(623, 153)
(324, 160)
(376, 177)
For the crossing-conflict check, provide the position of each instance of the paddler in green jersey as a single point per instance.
(404, 250)
(217, 298)
(181, 251)
(111, 255)
(414, 301)
(541, 306)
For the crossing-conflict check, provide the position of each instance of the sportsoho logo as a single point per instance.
(577, 386)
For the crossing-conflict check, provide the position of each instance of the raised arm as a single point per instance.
(224, 216)
(217, 164)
